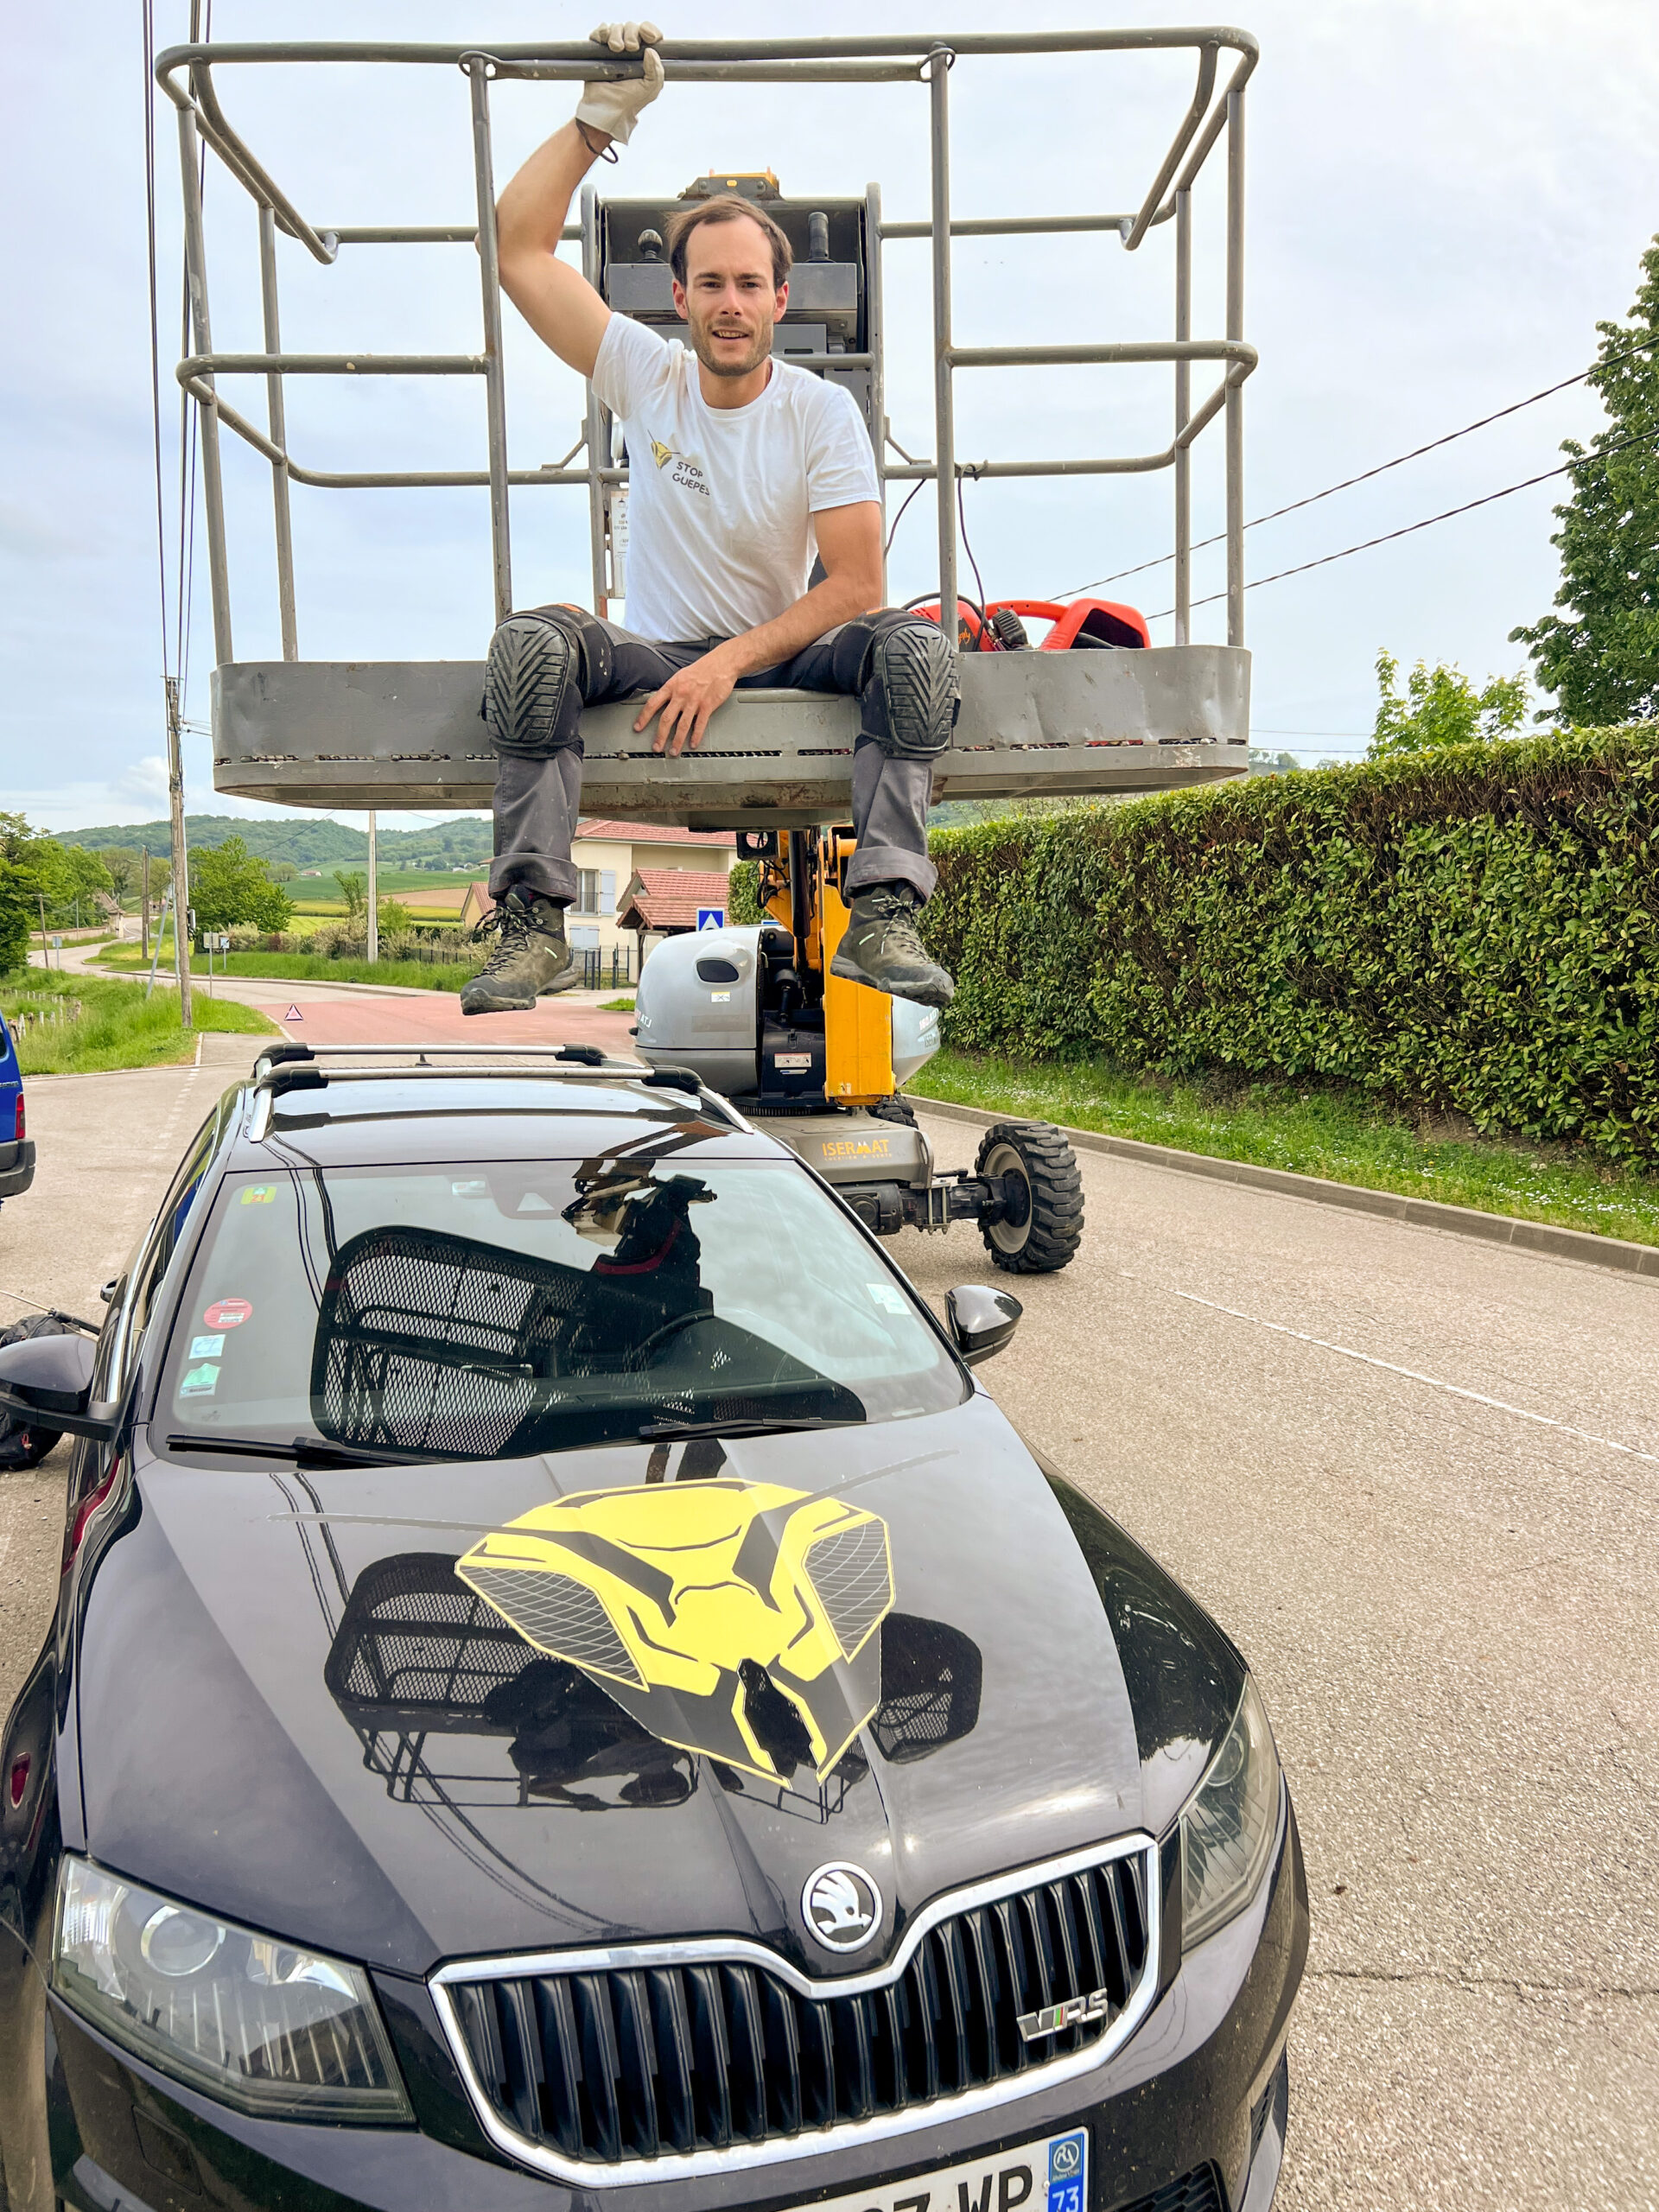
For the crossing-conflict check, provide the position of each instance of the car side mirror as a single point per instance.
(981, 1319)
(48, 1380)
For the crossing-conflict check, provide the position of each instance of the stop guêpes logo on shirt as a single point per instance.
(683, 470)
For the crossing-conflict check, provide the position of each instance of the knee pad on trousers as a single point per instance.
(541, 666)
(915, 665)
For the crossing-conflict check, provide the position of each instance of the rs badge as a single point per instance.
(1075, 2013)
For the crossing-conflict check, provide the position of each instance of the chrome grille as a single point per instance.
(676, 2058)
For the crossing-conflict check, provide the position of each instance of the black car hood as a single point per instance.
(285, 1717)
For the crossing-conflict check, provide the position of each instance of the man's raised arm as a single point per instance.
(558, 303)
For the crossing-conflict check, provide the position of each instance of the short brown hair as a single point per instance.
(726, 207)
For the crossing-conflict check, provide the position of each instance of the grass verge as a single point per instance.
(1337, 1135)
(616, 1006)
(118, 1027)
(312, 967)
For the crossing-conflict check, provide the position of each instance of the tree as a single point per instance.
(1263, 763)
(395, 918)
(1600, 655)
(18, 885)
(228, 885)
(125, 865)
(83, 875)
(281, 871)
(1441, 706)
(354, 890)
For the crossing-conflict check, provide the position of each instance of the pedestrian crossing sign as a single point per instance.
(711, 917)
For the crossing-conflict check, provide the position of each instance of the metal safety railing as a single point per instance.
(186, 75)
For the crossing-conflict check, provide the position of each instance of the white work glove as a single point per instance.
(613, 105)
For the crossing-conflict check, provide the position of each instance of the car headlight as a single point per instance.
(1228, 1827)
(256, 2022)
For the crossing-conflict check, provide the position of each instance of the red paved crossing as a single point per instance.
(436, 1018)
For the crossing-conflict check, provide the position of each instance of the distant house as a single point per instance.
(606, 854)
(660, 902)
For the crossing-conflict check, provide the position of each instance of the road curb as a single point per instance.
(1581, 1244)
(375, 990)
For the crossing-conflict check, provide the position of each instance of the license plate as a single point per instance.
(1048, 2176)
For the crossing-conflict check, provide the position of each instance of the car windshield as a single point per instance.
(494, 1309)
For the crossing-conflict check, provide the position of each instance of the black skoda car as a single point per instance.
(566, 1692)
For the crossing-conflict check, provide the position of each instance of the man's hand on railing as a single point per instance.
(612, 106)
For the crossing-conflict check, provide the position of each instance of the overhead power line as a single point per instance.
(1642, 437)
(1163, 560)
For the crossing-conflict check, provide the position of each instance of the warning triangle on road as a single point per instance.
(293, 1014)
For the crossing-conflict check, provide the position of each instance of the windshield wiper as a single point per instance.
(664, 1431)
(304, 1451)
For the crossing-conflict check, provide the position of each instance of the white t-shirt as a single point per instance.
(720, 500)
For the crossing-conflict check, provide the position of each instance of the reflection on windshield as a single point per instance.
(507, 1308)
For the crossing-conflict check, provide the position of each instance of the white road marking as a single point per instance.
(1411, 1374)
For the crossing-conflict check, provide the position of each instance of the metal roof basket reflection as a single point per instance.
(408, 732)
(429, 1342)
(417, 1655)
(930, 1678)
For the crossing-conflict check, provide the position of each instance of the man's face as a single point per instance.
(728, 297)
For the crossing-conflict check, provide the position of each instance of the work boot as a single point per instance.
(530, 959)
(882, 949)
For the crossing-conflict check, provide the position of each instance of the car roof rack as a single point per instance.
(415, 1056)
(282, 1069)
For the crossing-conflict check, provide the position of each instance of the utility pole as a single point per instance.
(46, 951)
(144, 912)
(373, 945)
(181, 864)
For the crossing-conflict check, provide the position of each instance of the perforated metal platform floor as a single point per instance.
(407, 734)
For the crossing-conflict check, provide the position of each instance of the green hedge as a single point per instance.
(1474, 930)
(743, 908)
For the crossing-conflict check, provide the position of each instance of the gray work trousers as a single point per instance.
(538, 800)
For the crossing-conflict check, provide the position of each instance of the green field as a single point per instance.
(118, 1027)
(1340, 1136)
(312, 967)
(404, 883)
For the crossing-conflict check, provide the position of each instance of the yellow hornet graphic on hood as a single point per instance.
(737, 1619)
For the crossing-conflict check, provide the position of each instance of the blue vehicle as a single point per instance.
(16, 1149)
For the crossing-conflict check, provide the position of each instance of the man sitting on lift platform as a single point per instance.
(742, 468)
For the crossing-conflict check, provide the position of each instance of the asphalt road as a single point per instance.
(1444, 1577)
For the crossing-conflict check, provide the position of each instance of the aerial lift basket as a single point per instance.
(1093, 708)
(355, 733)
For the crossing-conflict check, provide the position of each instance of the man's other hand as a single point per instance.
(685, 703)
(613, 105)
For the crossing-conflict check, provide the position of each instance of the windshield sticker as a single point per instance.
(227, 1314)
(731, 1618)
(888, 1297)
(261, 1194)
(199, 1381)
(207, 1347)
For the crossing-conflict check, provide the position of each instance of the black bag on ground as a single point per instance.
(24, 1442)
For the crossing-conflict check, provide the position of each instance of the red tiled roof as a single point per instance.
(665, 899)
(654, 833)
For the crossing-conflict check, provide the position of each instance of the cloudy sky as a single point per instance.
(1445, 196)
